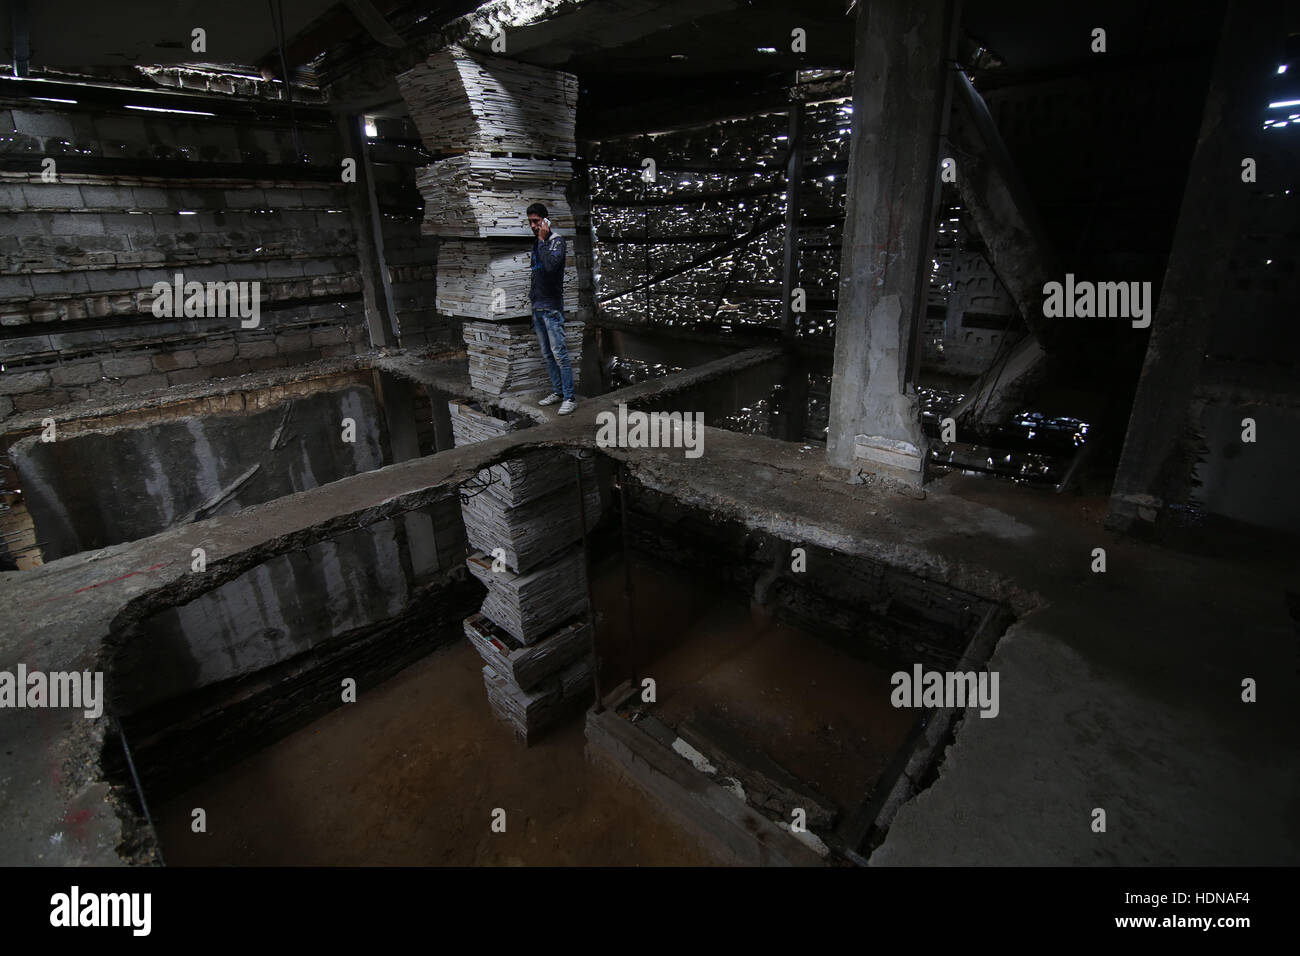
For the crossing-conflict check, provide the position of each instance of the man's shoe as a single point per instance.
(549, 400)
(567, 407)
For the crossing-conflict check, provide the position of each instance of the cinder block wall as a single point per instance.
(139, 197)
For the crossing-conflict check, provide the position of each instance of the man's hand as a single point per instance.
(543, 230)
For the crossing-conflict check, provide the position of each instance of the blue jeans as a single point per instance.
(549, 326)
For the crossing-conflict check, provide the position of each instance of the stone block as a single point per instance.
(144, 383)
(107, 197)
(171, 361)
(334, 336)
(227, 369)
(124, 366)
(245, 199)
(293, 342)
(78, 373)
(257, 348)
(18, 383)
(187, 376)
(60, 283)
(77, 223)
(52, 196)
(216, 354)
(15, 287)
(39, 401)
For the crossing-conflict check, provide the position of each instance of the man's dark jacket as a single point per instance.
(547, 290)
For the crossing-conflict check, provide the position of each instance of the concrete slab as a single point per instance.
(1120, 690)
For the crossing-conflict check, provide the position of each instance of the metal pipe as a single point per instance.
(139, 790)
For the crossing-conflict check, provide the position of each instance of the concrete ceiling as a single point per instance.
(86, 33)
(1030, 36)
(671, 40)
(688, 38)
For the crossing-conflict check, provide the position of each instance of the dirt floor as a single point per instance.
(410, 775)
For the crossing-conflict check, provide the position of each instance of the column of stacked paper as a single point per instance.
(524, 524)
(511, 126)
(505, 358)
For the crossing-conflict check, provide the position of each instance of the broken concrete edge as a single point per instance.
(978, 580)
(61, 634)
(1000, 391)
(159, 398)
(924, 761)
(443, 370)
(722, 823)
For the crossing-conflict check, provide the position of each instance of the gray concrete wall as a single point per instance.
(276, 611)
(1253, 482)
(82, 253)
(97, 488)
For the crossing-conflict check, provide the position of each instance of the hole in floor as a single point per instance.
(777, 680)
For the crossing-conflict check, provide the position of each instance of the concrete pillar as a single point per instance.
(1212, 217)
(875, 424)
(994, 193)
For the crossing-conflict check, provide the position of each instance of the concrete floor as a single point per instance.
(1119, 691)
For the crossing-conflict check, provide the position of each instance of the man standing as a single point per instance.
(547, 296)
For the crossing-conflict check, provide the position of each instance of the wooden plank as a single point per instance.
(766, 783)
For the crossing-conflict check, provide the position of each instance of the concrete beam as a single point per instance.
(897, 96)
(996, 394)
(374, 22)
(995, 196)
(1211, 220)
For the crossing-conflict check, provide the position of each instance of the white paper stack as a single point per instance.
(477, 196)
(529, 533)
(505, 358)
(463, 101)
(489, 279)
(528, 664)
(528, 606)
(532, 711)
